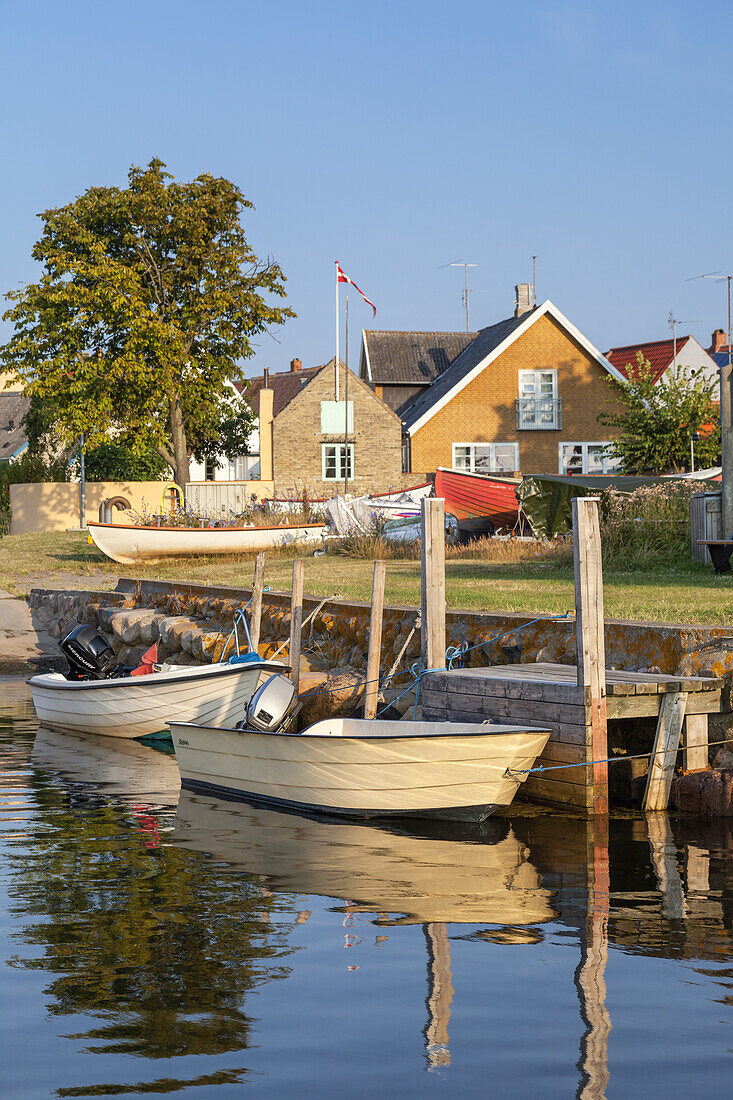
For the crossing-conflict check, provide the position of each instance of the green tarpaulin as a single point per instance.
(546, 499)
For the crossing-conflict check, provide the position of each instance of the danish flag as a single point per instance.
(341, 277)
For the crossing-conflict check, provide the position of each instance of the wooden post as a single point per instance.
(432, 562)
(589, 628)
(296, 620)
(258, 584)
(695, 752)
(371, 693)
(666, 743)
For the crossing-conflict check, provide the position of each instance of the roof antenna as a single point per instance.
(534, 280)
(465, 292)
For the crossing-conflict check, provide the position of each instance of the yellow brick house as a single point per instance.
(524, 395)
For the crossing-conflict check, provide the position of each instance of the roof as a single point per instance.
(480, 353)
(411, 358)
(720, 357)
(659, 353)
(13, 407)
(285, 386)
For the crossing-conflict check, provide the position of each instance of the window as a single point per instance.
(586, 458)
(334, 461)
(538, 405)
(487, 458)
(210, 468)
(333, 417)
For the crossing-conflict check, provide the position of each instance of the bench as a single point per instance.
(720, 553)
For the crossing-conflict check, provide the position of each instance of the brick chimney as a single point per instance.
(296, 364)
(717, 342)
(522, 299)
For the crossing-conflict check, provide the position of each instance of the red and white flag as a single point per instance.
(341, 277)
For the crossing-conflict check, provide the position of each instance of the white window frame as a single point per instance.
(531, 416)
(493, 468)
(333, 415)
(610, 464)
(340, 473)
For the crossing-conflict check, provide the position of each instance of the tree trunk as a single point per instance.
(181, 471)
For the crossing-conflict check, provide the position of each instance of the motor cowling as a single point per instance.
(273, 706)
(88, 654)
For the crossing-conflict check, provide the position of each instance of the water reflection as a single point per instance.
(155, 920)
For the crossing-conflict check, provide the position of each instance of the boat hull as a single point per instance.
(142, 706)
(478, 500)
(126, 544)
(448, 770)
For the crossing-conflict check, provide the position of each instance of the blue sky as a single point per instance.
(397, 137)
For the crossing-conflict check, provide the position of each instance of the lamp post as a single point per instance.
(726, 419)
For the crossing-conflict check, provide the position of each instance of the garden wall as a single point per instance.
(54, 505)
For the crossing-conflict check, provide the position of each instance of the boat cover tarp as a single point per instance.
(546, 499)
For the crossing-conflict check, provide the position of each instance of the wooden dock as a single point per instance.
(549, 694)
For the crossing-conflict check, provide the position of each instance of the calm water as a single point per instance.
(152, 945)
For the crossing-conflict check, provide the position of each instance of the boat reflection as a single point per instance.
(433, 875)
(127, 769)
(405, 876)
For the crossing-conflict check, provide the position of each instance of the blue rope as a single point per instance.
(238, 618)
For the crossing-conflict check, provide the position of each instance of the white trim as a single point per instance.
(546, 308)
(492, 445)
(366, 353)
(584, 444)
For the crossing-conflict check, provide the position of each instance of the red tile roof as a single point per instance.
(284, 385)
(659, 353)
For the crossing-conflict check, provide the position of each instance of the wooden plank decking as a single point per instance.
(548, 694)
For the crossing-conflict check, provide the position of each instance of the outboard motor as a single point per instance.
(273, 706)
(88, 654)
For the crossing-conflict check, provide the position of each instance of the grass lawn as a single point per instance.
(692, 595)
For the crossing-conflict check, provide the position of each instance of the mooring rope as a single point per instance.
(510, 772)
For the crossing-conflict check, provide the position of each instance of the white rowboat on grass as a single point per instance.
(353, 766)
(141, 706)
(126, 544)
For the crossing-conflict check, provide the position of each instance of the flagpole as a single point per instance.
(336, 364)
(346, 403)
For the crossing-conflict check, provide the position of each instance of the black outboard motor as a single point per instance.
(88, 654)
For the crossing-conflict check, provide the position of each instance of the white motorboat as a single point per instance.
(141, 706)
(126, 544)
(355, 766)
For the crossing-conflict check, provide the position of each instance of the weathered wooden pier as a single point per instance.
(578, 702)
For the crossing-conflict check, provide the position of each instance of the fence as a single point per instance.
(225, 497)
(706, 522)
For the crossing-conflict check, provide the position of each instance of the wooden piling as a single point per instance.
(371, 693)
(589, 628)
(432, 582)
(296, 620)
(258, 584)
(664, 754)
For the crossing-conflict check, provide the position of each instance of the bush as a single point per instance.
(117, 462)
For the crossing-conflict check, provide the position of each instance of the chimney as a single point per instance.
(717, 342)
(296, 364)
(11, 425)
(522, 299)
(266, 378)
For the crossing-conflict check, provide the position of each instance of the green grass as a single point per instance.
(691, 594)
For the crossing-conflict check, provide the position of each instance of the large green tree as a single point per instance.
(148, 300)
(658, 420)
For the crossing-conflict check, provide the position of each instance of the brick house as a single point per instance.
(524, 395)
(303, 439)
(664, 355)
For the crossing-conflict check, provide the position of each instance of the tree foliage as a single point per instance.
(118, 462)
(658, 419)
(148, 299)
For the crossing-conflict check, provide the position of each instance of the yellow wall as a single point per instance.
(54, 506)
(484, 410)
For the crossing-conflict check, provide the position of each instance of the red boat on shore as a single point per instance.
(482, 503)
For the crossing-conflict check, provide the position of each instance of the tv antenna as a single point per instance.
(465, 292)
(673, 322)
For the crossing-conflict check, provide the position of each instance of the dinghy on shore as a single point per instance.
(127, 544)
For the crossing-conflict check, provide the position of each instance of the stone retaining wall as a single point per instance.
(192, 622)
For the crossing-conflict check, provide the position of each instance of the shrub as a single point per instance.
(28, 468)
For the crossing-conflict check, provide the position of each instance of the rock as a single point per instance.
(209, 646)
(335, 697)
(189, 638)
(171, 628)
(126, 625)
(105, 617)
(723, 758)
(150, 627)
(707, 793)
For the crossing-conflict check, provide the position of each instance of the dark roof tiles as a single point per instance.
(412, 358)
(13, 407)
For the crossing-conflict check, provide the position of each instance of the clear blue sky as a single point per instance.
(396, 137)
